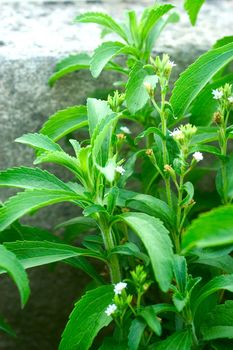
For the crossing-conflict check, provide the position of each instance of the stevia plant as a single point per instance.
(170, 272)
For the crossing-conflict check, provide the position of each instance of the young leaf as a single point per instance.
(136, 94)
(31, 178)
(10, 264)
(36, 253)
(103, 54)
(39, 141)
(219, 322)
(156, 239)
(193, 7)
(189, 189)
(196, 76)
(208, 229)
(64, 122)
(87, 319)
(180, 340)
(70, 64)
(135, 333)
(30, 200)
(103, 20)
(148, 22)
(97, 110)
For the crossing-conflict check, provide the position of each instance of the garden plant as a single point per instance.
(163, 239)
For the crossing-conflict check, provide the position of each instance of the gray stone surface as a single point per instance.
(33, 36)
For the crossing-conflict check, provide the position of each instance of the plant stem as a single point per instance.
(114, 266)
(223, 148)
(164, 143)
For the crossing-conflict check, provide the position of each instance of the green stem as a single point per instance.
(164, 144)
(223, 148)
(114, 266)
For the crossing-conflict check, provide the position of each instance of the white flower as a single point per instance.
(118, 288)
(230, 99)
(217, 94)
(111, 309)
(172, 64)
(177, 134)
(198, 156)
(119, 169)
(125, 129)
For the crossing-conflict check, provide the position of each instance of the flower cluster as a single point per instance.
(184, 133)
(118, 288)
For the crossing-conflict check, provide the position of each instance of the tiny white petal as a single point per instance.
(217, 94)
(125, 129)
(198, 156)
(172, 64)
(119, 169)
(111, 309)
(230, 99)
(119, 287)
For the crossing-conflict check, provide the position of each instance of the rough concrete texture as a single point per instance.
(33, 36)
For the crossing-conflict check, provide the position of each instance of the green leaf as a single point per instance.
(157, 29)
(219, 322)
(224, 263)
(214, 228)
(156, 239)
(70, 64)
(152, 206)
(103, 54)
(209, 149)
(102, 143)
(205, 105)
(37, 253)
(97, 110)
(196, 76)
(87, 319)
(31, 178)
(214, 285)
(229, 178)
(180, 272)
(131, 249)
(18, 232)
(150, 317)
(153, 15)
(10, 264)
(64, 122)
(111, 343)
(193, 7)
(39, 141)
(60, 158)
(30, 200)
(189, 189)
(135, 333)
(103, 20)
(205, 134)
(136, 94)
(180, 340)
(5, 327)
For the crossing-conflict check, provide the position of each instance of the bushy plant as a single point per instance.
(170, 270)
